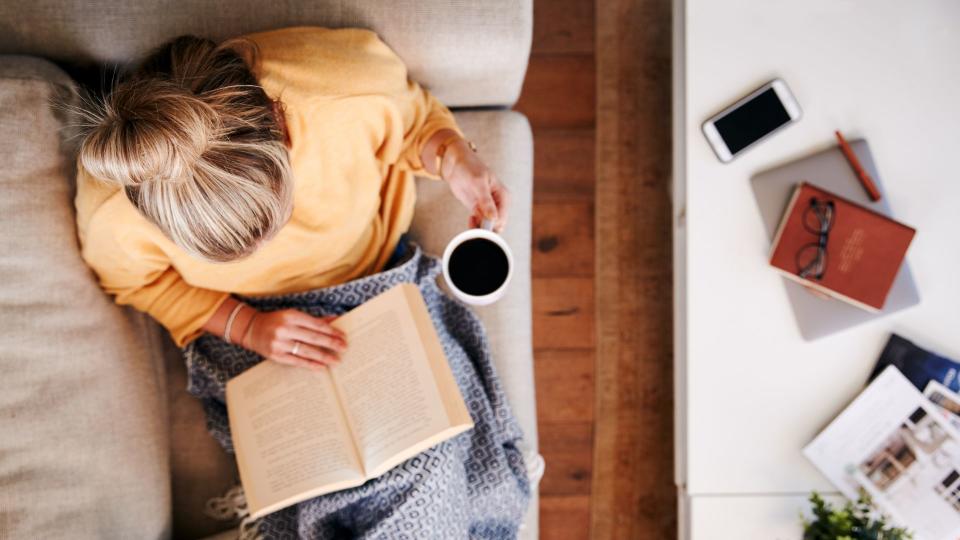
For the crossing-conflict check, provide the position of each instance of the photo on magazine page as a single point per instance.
(947, 401)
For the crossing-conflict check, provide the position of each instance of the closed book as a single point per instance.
(859, 252)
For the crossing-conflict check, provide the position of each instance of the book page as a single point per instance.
(393, 405)
(290, 435)
(446, 384)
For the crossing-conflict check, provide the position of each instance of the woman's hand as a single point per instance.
(274, 335)
(469, 178)
(475, 186)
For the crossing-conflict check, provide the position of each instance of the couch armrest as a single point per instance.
(505, 142)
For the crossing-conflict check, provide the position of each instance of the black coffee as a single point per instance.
(478, 266)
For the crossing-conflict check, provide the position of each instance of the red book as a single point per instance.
(839, 248)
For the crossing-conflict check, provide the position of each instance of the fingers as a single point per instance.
(479, 189)
(475, 220)
(486, 205)
(317, 342)
(313, 353)
(290, 360)
(317, 339)
(492, 203)
(501, 196)
(318, 324)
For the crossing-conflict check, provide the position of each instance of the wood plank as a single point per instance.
(563, 314)
(559, 91)
(564, 382)
(563, 164)
(634, 495)
(567, 450)
(565, 518)
(562, 239)
(562, 26)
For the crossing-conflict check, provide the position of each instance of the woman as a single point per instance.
(294, 177)
(278, 163)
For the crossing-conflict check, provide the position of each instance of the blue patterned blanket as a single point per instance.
(474, 485)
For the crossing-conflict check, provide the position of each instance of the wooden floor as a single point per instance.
(607, 399)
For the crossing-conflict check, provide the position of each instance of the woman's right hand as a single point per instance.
(275, 333)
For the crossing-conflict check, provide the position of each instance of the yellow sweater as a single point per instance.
(357, 126)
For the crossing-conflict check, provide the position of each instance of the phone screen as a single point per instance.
(752, 120)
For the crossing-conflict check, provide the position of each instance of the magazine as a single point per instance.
(919, 365)
(894, 444)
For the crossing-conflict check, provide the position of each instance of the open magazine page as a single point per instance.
(894, 444)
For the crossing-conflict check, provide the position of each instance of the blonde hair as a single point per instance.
(193, 140)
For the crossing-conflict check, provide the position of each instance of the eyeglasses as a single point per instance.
(812, 258)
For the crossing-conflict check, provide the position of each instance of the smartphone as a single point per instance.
(751, 119)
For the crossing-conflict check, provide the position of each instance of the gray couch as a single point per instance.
(98, 437)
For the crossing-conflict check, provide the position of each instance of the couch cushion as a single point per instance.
(505, 142)
(467, 53)
(84, 445)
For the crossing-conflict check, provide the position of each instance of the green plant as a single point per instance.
(853, 521)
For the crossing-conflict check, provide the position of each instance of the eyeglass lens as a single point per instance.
(811, 260)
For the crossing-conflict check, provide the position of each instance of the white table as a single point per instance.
(750, 392)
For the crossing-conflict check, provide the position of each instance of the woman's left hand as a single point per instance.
(475, 185)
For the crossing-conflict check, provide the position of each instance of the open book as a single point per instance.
(299, 433)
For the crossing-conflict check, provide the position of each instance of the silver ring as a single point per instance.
(296, 347)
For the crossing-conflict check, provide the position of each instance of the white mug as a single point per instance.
(486, 232)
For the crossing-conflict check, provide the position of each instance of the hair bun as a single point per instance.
(147, 130)
(193, 140)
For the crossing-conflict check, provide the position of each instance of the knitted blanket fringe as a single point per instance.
(233, 506)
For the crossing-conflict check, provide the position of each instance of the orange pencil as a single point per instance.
(865, 179)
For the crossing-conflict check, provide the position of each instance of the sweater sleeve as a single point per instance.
(436, 116)
(139, 274)
(423, 114)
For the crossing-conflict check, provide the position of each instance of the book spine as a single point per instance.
(829, 292)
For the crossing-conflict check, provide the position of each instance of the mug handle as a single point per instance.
(486, 224)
